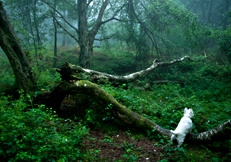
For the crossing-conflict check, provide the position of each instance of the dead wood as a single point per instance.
(72, 72)
(76, 81)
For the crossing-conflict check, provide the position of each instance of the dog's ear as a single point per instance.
(191, 113)
(185, 110)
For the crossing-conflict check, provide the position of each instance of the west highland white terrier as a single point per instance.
(184, 127)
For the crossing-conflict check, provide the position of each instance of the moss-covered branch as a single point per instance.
(119, 111)
(126, 115)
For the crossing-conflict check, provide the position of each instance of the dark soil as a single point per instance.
(122, 147)
(113, 144)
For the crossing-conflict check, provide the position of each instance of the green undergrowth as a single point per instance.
(34, 133)
(114, 61)
(206, 90)
(165, 103)
(37, 134)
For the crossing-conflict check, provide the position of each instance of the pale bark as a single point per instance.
(219, 133)
(72, 72)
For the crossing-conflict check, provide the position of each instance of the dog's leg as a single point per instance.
(180, 140)
(190, 131)
(173, 137)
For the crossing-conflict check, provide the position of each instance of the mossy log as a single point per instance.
(119, 111)
(126, 115)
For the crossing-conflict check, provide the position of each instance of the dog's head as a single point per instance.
(188, 112)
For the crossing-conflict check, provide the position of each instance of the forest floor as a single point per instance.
(125, 145)
(112, 141)
(122, 147)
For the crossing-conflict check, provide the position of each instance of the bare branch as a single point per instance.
(97, 24)
(135, 75)
(105, 38)
(99, 21)
(61, 16)
(59, 24)
(113, 16)
(72, 72)
(147, 30)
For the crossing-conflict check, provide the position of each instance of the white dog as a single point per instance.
(184, 127)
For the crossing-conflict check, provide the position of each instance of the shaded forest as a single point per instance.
(85, 80)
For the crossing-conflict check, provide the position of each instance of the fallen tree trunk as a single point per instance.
(219, 133)
(76, 81)
(71, 72)
(119, 111)
(126, 115)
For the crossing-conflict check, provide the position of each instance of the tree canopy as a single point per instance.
(146, 27)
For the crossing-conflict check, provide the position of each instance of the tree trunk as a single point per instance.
(55, 37)
(226, 12)
(84, 43)
(55, 45)
(86, 51)
(210, 11)
(64, 25)
(10, 44)
(86, 35)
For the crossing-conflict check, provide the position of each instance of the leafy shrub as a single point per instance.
(48, 78)
(116, 61)
(6, 73)
(224, 42)
(38, 134)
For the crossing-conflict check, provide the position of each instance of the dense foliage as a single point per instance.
(33, 132)
(140, 32)
(37, 134)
